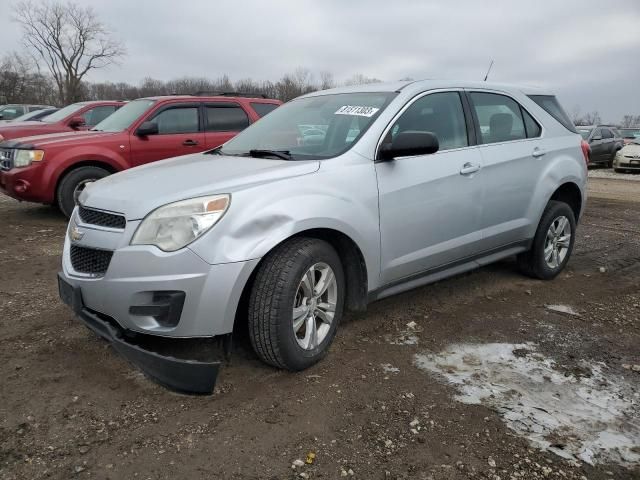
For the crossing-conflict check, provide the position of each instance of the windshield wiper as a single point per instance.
(282, 154)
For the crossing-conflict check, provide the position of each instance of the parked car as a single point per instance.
(604, 143)
(630, 135)
(284, 234)
(53, 169)
(31, 116)
(628, 158)
(74, 117)
(12, 111)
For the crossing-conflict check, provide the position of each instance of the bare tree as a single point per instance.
(21, 83)
(360, 79)
(591, 118)
(576, 118)
(69, 39)
(630, 121)
(326, 80)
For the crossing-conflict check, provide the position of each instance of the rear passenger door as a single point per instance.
(180, 132)
(598, 146)
(513, 153)
(608, 142)
(223, 121)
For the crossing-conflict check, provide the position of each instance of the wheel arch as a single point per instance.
(569, 193)
(75, 165)
(353, 264)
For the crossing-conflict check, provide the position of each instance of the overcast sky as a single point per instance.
(587, 51)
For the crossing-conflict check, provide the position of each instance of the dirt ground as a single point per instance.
(72, 408)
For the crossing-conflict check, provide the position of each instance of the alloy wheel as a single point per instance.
(314, 306)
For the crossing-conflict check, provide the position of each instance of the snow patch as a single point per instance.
(593, 418)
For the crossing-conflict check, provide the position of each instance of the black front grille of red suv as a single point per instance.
(90, 260)
(6, 158)
(104, 219)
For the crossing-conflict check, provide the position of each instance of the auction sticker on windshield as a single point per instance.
(359, 111)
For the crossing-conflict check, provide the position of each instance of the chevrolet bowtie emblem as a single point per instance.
(76, 234)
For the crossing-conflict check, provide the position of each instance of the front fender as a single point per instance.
(260, 218)
(66, 159)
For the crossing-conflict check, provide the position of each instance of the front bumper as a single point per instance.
(191, 376)
(26, 184)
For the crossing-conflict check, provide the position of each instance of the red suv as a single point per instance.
(77, 116)
(54, 169)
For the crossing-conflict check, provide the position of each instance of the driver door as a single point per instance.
(430, 205)
(180, 132)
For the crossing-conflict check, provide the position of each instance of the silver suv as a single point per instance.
(332, 201)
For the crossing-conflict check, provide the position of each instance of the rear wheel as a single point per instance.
(552, 244)
(72, 185)
(296, 303)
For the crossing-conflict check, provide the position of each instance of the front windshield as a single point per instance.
(317, 127)
(631, 134)
(584, 132)
(63, 113)
(122, 118)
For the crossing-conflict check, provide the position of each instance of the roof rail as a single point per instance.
(204, 93)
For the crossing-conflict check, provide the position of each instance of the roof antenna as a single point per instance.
(487, 75)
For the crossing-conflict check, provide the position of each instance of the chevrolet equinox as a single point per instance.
(336, 199)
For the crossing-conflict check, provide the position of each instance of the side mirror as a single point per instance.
(410, 143)
(597, 137)
(147, 128)
(77, 121)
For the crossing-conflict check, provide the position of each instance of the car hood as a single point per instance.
(138, 191)
(632, 149)
(55, 139)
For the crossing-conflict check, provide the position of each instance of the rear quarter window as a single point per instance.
(263, 108)
(550, 104)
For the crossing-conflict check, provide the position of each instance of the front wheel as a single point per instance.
(296, 303)
(72, 185)
(552, 244)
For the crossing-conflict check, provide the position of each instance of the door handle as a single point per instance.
(538, 152)
(189, 143)
(469, 168)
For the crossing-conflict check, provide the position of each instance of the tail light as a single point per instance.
(586, 151)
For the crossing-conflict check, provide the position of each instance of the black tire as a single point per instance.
(619, 170)
(272, 300)
(533, 263)
(66, 192)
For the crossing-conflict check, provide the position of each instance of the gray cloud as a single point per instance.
(586, 51)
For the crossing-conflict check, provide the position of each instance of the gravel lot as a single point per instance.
(389, 402)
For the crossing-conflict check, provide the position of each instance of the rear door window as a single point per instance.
(225, 118)
(499, 118)
(532, 127)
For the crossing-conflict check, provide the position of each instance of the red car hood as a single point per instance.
(55, 139)
(24, 129)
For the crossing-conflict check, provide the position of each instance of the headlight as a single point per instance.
(176, 225)
(24, 158)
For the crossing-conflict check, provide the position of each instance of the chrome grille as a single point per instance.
(6, 158)
(103, 219)
(90, 260)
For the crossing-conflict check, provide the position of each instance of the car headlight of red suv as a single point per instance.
(24, 158)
